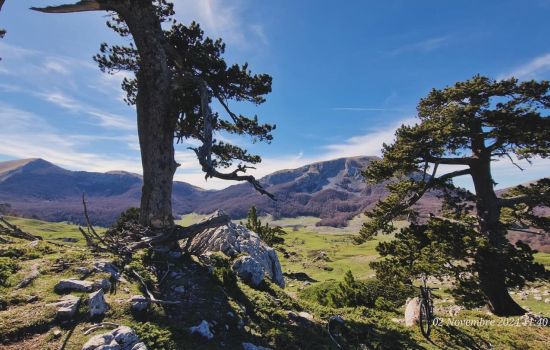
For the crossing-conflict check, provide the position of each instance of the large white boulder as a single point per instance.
(249, 270)
(233, 240)
(412, 312)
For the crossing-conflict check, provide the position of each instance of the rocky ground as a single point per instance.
(227, 294)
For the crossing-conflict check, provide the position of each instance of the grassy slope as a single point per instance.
(270, 325)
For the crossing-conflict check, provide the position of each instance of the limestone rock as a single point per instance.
(97, 303)
(121, 338)
(139, 346)
(105, 266)
(102, 284)
(250, 270)
(97, 341)
(125, 336)
(412, 312)
(233, 240)
(67, 306)
(71, 285)
(203, 329)
(139, 303)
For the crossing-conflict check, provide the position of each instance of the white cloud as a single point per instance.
(427, 45)
(220, 19)
(26, 135)
(105, 119)
(369, 144)
(531, 70)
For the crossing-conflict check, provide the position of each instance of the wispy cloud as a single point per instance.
(532, 69)
(27, 135)
(369, 144)
(105, 119)
(220, 19)
(427, 45)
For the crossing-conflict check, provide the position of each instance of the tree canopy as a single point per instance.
(469, 125)
(178, 73)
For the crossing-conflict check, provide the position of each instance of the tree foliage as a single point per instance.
(268, 234)
(195, 59)
(469, 125)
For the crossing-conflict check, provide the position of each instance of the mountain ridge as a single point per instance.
(332, 190)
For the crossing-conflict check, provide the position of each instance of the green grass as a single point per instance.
(266, 311)
(55, 231)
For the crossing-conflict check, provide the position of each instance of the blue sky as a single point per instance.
(346, 74)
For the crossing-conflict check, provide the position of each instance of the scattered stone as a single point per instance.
(121, 338)
(83, 271)
(250, 346)
(56, 333)
(139, 346)
(547, 301)
(98, 341)
(105, 266)
(306, 315)
(70, 285)
(29, 278)
(412, 312)
(97, 303)
(301, 317)
(125, 336)
(454, 310)
(139, 303)
(67, 306)
(249, 270)
(233, 240)
(537, 297)
(102, 284)
(69, 239)
(32, 299)
(203, 329)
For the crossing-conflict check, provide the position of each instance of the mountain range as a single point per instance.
(334, 191)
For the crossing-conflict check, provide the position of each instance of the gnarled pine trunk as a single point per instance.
(155, 115)
(489, 261)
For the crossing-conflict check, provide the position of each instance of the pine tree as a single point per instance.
(470, 124)
(178, 73)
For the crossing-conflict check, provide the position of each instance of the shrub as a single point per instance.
(352, 293)
(270, 235)
(7, 268)
(130, 215)
(155, 337)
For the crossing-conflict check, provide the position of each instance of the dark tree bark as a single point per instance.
(490, 264)
(155, 118)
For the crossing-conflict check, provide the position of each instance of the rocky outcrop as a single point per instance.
(121, 338)
(71, 285)
(234, 240)
(412, 312)
(67, 306)
(249, 270)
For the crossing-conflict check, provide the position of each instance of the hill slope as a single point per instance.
(333, 190)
